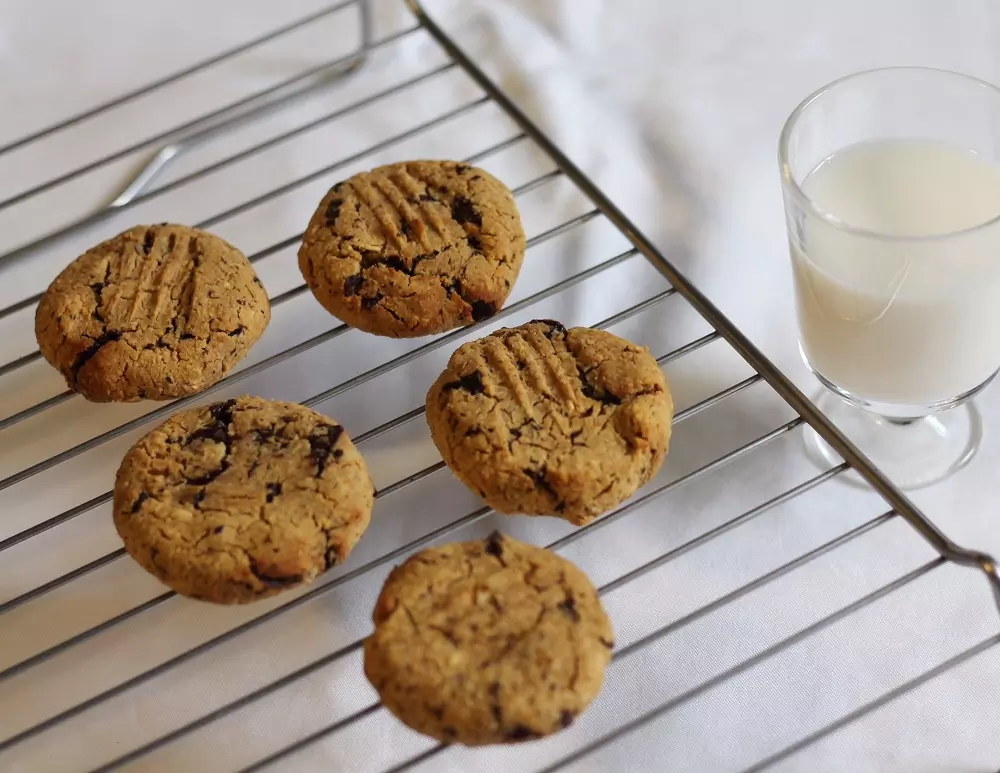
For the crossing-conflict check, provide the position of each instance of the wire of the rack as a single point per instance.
(394, 423)
(651, 638)
(87, 445)
(723, 329)
(106, 497)
(316, 174)
(477, 515)
(133, 195)
(299, 348)
(887, 698)
(233, 114)
(714, 316)
(44, 405)
(632, 506)
(764, 655)
(173, 77)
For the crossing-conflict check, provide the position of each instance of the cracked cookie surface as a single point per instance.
(492, 641)
(541, 420)
(242, 499)
(414, 248)
(156, 312)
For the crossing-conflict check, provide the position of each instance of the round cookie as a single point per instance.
(156, 312)
(413, 249)
(492, 641)
(541, 420)
(242, 499)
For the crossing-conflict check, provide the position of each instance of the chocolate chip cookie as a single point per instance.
(492, 641)
(541, 420)
(242, 499)
(413, 249)
(156, 312)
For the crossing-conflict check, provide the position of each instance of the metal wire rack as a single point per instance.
(40, 648)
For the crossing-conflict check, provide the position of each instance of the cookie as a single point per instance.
(413, 249)
(541, 420)
(242, 499)
(492, 641)
(156, 312)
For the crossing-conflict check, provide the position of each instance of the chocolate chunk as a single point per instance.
(237, 332)
(370, 303)
(396, 263)
(474, 242)
(567, 717)
(482, 310)
(464, 211)
(222, 411)
(143, 496)
(199, 498)
(601, 395)
(216, 432)
(568, 607)
(218, 530)
(494, 545)
(425, 196)
(473, 384)
(538, 476)
(522, 733)
(495, 707)
(555, 328)
(91, 351)
(187, 336)
(333, 211)
(272, 581)
(321, 445)
(454, 287)
(461, 168)
(171, 242)
(147, 243)
(273, 490)
(208, 477)
(262, 436)
(332, 556)
(352, 285)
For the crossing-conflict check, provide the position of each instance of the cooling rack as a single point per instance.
(724, 603)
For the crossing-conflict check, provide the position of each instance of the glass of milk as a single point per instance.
(891, 183)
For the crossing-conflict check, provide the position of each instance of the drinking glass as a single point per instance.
(891, 185)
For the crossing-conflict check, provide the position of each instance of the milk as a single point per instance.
(902, 306)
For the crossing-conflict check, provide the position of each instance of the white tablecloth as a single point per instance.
(675, 107)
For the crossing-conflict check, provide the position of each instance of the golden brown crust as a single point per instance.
(413, 249)
(156, 312)
(541, 420)
(492, 641)
(242, 499)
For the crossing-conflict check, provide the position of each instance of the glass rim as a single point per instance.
(791, 184)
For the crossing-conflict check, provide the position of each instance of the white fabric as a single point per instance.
(675, 107)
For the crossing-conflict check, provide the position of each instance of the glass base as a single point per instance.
(912, 452)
